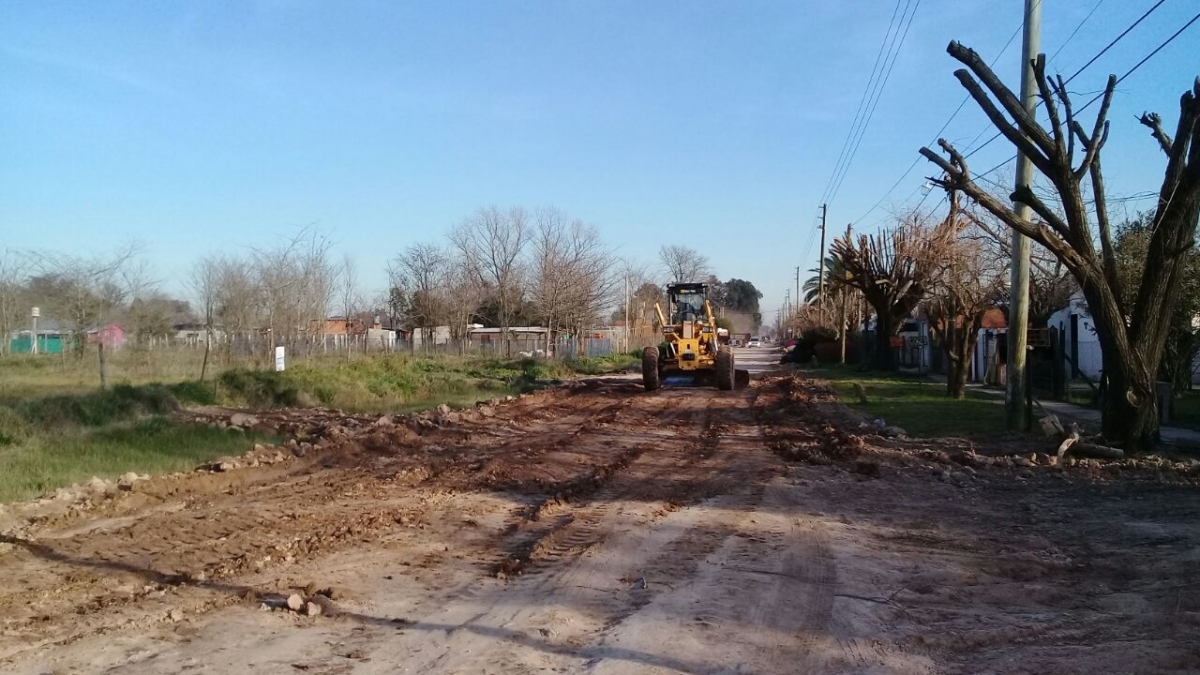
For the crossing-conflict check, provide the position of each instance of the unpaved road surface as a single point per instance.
(599, 529)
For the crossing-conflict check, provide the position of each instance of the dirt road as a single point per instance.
(596, 528)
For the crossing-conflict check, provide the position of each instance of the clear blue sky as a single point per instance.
(204, 126)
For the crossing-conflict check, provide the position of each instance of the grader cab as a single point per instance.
(691, 342)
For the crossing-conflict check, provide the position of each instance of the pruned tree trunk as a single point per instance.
(958, 344)
(886, 327)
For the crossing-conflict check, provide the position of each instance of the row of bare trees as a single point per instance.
(273, 296)
(501, 265)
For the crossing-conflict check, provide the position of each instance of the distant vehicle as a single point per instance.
(754, 342)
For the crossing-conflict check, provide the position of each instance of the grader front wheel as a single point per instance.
(650, 375)
(725, 369)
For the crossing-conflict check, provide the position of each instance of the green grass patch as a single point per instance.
(54, 441)
(387, 383)
(916, 404)
(605, 365)
(401, 382)
(153, 445)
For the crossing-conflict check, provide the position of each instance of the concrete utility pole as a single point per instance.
(626, 313)
(821, 266)
(1018, 311)
(845, 295)
(787, 311)
(797, 283)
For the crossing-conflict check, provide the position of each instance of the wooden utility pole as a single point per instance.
(821, 266)
(1016, 416)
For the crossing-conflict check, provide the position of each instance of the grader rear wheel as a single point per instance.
(650, 374)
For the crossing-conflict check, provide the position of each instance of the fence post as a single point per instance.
(1058, 371)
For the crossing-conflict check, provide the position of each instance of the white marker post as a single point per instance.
(33, 345)
(279, 357)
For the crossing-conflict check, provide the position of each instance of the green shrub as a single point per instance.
(13, 427)
(122, 402)
(258, 388)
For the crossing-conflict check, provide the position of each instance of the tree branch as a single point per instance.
(1026, 196)
(958, 178)
(1099, 130)
(1047, 96)
(1154, 122)
(1012, 105)
(1014, 135)
(1108, 252)
(1060, 89)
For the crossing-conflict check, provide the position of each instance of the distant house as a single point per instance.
(521, 338)
(196, 334)
(48, 342)
(437, 335)
(111, 336)
(364, 330)
(341, 325)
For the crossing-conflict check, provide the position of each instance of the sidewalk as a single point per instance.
(1088, 418)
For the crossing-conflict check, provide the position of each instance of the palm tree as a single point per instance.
(834, 279)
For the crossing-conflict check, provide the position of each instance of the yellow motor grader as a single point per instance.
(691, 343)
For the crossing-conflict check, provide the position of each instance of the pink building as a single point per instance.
(111, 336)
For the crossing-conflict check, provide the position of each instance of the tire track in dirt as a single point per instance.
(213, 539)
(682, 469)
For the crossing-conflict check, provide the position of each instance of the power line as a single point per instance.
(883, 47)
(938, 133)
(1101, 94)
(1147, 58)
(878, 95)
(1116, 40)
(1092, 60)
(1072, 35)
(967, 97)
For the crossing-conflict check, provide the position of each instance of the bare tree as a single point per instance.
(205, 283)
(350, 298)
(967, 278)
(296, 282)
(461, 297)
(572, 277)
(421, 270)
(493, 243)
(1132, 338)
(239, 303)
(683, 264)
(14, 272)
(90, 291)
(1051, 286)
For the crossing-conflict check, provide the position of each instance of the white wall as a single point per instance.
(1091, 361)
